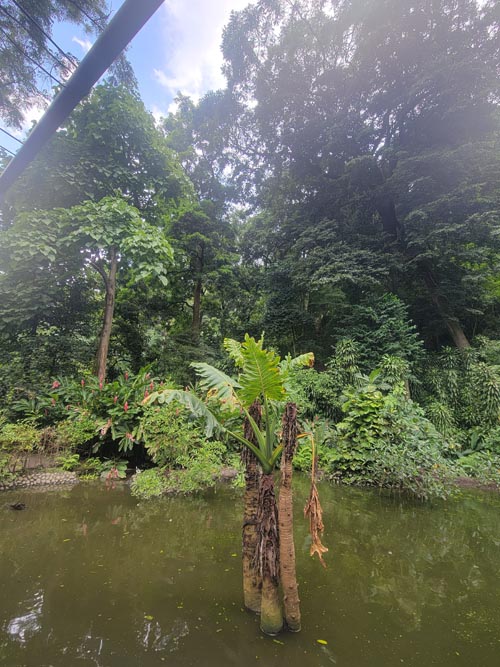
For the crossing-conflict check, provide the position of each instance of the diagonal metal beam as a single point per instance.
(122, 28)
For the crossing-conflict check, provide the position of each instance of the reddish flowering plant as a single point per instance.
(116, 405)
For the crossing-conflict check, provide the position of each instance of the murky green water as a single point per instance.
(90, 577)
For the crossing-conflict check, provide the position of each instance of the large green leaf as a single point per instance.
(212, 379)
(233, 348)
(290, 363)
(190, 401)
(261, 376)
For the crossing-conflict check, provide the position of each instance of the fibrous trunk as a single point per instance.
(107, 323)
(291, 600)
(271, 617)
(252, 582)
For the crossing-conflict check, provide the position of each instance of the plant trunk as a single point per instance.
(198, 290)
(452, 324)
(107, 323)
(289, 584)
(252, 582)
(196, 323)
(271, 617)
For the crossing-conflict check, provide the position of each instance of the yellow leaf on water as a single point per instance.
(68, 539)
(149, 618)
(322, 641)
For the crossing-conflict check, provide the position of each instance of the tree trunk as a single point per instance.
(198, 290)
(453, 325)
(107, 323)
(252, 582)
(291, 600)
(271, 617)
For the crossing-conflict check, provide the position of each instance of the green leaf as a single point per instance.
(233, 348)
(261, 373)
(190, 401)
(216, 380)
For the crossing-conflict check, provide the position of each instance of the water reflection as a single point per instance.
(153, 638)
(90, 574)
(22, 628)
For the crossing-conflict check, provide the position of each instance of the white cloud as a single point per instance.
(158, 113)
(85, 44)
(193, 34)
(32, 115)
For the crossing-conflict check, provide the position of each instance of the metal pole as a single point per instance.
(126, 23)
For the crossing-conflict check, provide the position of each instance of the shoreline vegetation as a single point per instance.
(418, 431)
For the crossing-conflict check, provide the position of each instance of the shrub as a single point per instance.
(113, 409)
(90, 468)
(386, 440)
(20, 437)
(7, 473)
(169, 433)
(114, 468)
(68, 461)
(72, 434)
(483, 466)
(148, 484)
(200, 470)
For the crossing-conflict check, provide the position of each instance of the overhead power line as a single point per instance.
(44, 33)
(16, 20)
(26, 55)
(82, 11)
(7, 150)
(125, 24)
(11, 135)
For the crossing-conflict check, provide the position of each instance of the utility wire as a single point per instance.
(7, 150)
(21, 50)
(82, 11)
(46, 35)
(122, 28)
(11, 135)
(13, 18)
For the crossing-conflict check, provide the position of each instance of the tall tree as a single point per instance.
(109, 147)
(107, 237)
(348, 104)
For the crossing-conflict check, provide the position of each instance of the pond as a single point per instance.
(89, 576)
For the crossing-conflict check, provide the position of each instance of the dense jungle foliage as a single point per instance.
(341, 194)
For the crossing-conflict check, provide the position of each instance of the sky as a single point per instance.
(177, 50)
